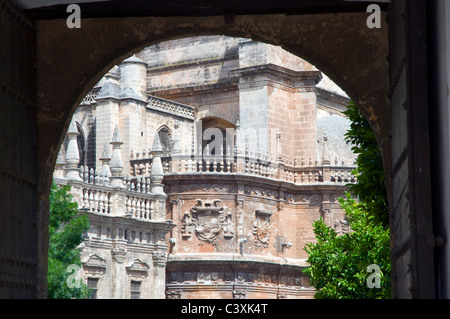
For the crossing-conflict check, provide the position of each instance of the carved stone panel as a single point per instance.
(137, 269)
(207, 220)
(173, 294)
(239, 294)
(159, 258)
(341, 226)
(118, 254)
(95, 265)
(261, 228)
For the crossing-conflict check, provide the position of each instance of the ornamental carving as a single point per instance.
(207, 188)
(261, 228)
(95, 266)
(341, 226)
(283, 196)
(137, 269)
(173, 294)
(118, 254)
(159, 258)
(207, 219)
(239, 294)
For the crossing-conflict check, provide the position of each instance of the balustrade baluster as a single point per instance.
(91, 176)
(100, 202)
(92, 201)
(133, 207)
(138, 209)
(85, 198)
(86, 174)
(127, 206)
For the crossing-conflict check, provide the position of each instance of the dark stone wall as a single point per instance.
(21, 244)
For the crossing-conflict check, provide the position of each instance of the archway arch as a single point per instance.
(341, 45)
(357, 62)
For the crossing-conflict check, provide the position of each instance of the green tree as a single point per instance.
(66, 228)
(338, 265)
(370, 187)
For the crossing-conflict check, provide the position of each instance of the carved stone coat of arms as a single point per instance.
(207, 219)
(261, 228)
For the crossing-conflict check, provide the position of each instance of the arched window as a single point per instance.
(165, 138)
(214, 128)
(218, 138)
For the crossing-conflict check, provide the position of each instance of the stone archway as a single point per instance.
(71, 61)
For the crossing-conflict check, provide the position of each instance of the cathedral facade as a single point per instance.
(203, 163)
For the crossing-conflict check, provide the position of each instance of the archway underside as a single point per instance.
(71, 61)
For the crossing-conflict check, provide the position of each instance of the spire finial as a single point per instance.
(325, 155)
(106, 158)
(72, 154)
(176, 147)
(116, 165)
(156, 172)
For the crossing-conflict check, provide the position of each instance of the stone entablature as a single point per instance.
(234, 277)
(257, 227)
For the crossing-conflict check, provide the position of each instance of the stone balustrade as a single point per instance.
(109, 192)
(284, 169)
(94, 193)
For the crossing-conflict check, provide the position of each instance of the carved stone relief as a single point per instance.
(159, 258)
(341, 226)
(239, 294)
(173, 294)
(267, 193)
(204, 188)
(95, 266)
(207, 219)
(241, 278)
(261, 228)
(137, 269)
(118, 254)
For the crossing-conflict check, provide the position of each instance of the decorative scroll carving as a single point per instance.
(261, 228)
(95, 261)
(239, 295)
(207, 188)
(137, 269)
(207, 219)
(159, 258)
(118, 254)
(95, 266)
(341, 226)
(173, 294)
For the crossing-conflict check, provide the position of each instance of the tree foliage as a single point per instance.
(66, 228)
(338, 265)
(370, 187)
